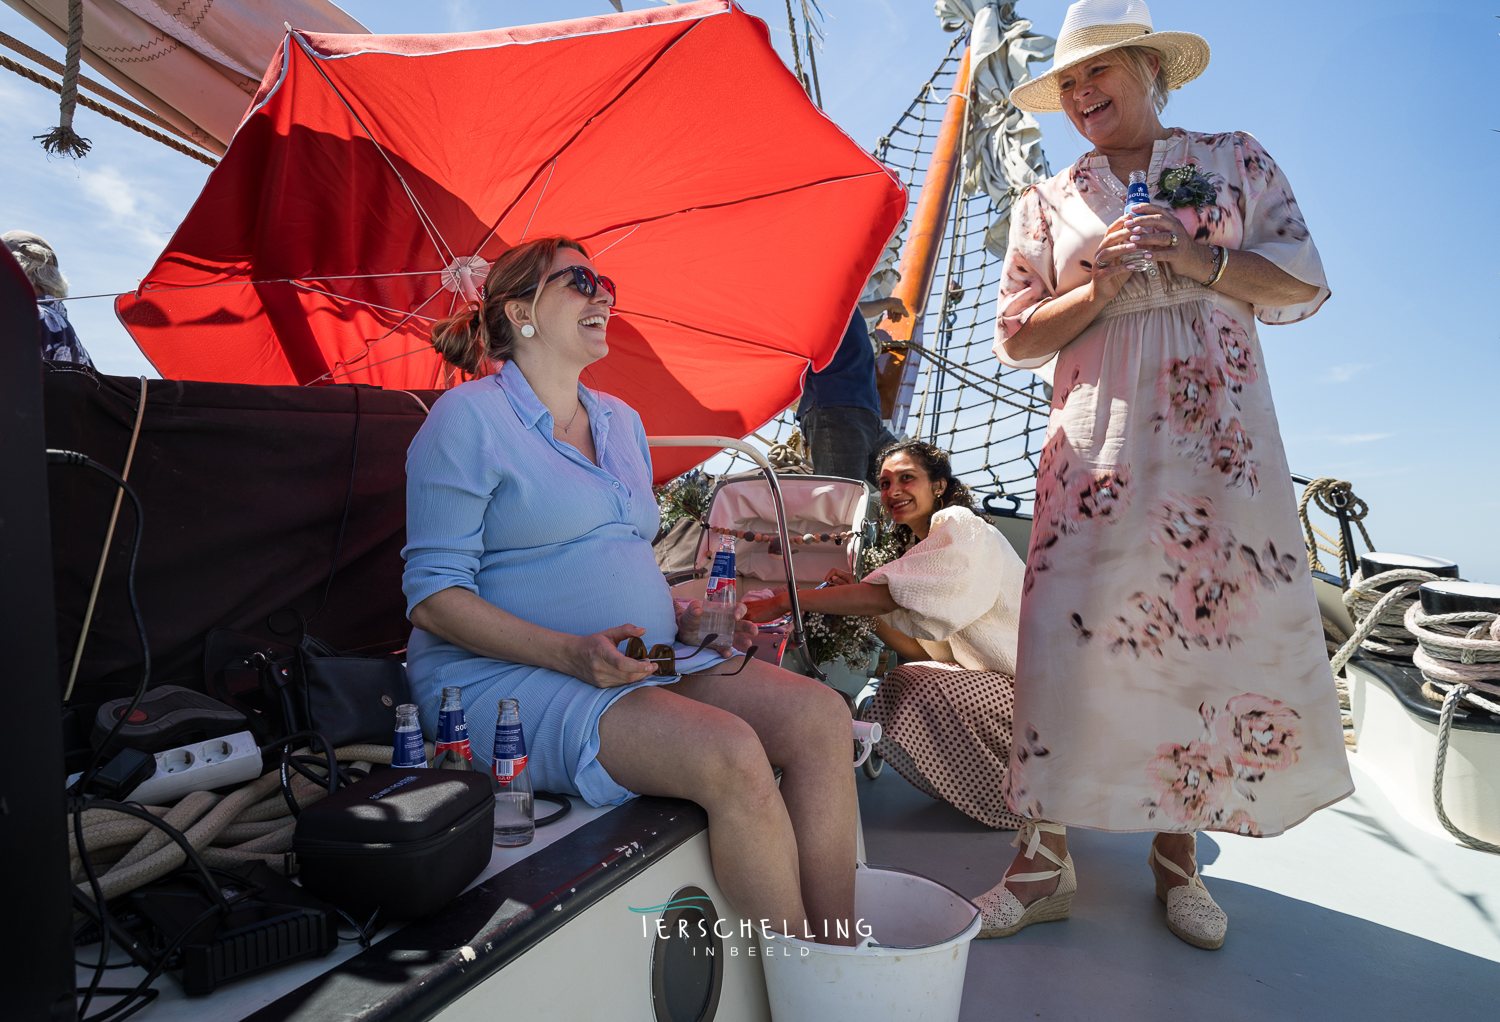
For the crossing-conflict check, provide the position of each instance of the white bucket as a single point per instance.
(913, 970)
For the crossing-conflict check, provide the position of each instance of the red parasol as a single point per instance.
(375, 177)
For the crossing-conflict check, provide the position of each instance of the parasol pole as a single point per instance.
(897, 364)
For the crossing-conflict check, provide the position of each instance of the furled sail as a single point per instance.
(194, 63)
(1004, 152)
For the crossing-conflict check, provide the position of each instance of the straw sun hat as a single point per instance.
(1093, 27)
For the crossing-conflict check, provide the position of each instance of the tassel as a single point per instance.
(63, 140)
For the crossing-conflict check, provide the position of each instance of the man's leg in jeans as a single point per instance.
(841, 440)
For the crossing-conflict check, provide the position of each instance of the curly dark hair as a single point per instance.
(935, 462)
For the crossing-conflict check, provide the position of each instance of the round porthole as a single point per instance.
(687, 960)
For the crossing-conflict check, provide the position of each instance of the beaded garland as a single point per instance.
(770, 537)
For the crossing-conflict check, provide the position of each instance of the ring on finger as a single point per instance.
(1174, 241)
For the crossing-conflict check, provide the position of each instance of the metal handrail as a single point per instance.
(786, 543)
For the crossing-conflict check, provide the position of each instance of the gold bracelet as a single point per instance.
(1222, 254)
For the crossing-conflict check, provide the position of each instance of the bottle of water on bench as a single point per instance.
(453, 752)
(720, 598)
(515, 820)
(408, 750)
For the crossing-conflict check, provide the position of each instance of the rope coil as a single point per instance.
(1379, 617)
(1459, 655)
(1335, 498)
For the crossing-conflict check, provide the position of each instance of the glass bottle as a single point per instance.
(407, 750)
(515, 821)
(453, 751)
(720, 596)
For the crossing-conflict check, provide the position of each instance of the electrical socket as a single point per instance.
(200, 767)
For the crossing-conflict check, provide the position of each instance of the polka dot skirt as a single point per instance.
(947, 731)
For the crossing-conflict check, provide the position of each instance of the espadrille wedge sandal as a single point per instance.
(1002, 912)
(1192, 913)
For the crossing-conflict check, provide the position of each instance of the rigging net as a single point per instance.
(991, 418)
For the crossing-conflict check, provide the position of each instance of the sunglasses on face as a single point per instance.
(665, 657)
(585, 281)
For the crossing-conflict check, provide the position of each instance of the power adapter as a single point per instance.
(125, 772)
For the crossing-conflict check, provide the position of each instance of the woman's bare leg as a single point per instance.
(1028, 891)
(1181, 849)
(805, 729)
(657, 742)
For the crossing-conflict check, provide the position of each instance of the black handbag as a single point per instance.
(348, 697)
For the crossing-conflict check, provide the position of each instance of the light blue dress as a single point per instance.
(495, 504)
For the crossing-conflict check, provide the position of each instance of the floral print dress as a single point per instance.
(1171, 673)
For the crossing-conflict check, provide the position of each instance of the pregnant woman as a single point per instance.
(528, 561)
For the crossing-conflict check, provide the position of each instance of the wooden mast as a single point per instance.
(897, 365)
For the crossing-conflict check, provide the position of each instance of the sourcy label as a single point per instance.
(510, 753)
(408, 751)
(723, 565)
(1138, 194)
(453, 733)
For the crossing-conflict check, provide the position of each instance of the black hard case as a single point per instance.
(403, 841)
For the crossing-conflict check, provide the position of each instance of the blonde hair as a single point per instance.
(1137, 60)
(482, 335)
(38, 261)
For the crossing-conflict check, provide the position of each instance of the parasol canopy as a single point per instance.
(375, 178)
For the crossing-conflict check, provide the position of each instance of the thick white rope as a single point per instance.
(1380, 617)
(1462, 662)
(256, 827)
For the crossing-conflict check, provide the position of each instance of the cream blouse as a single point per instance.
(958, 592)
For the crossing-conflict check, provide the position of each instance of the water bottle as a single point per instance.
(1137, 194)
(720, 598)
(408, 750)
(453, 752)
(515, 820)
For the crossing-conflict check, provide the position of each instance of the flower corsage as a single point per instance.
(1185, 186)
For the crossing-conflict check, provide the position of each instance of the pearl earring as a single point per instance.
(527, 330)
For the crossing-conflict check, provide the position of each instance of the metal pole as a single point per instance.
(724, 442)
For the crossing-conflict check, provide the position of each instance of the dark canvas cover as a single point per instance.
(244, 487)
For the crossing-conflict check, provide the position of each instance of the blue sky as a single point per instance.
(1380, 114)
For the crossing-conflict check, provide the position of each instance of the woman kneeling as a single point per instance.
(949, 607)
(528, 561)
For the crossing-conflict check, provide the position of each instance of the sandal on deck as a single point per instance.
(1192, 913)
(1002, 912)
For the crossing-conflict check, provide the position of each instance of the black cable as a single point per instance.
(58, 457)
(105, 937)
(338, 546)
(289, 763)
(143, 987)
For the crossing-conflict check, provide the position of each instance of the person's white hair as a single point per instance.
(39, 262)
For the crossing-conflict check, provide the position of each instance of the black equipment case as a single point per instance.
(404, 841)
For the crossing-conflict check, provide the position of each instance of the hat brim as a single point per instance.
(1184, 56)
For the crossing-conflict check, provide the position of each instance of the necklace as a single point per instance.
(574, 418)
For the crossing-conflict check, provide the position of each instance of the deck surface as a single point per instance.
(1355, 914)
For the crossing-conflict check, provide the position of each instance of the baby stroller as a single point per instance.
(822, 520)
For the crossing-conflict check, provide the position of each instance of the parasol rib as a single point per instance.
(407, 313)
(574, 137)
(330, 374)
(538, 205)
(428, 224)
